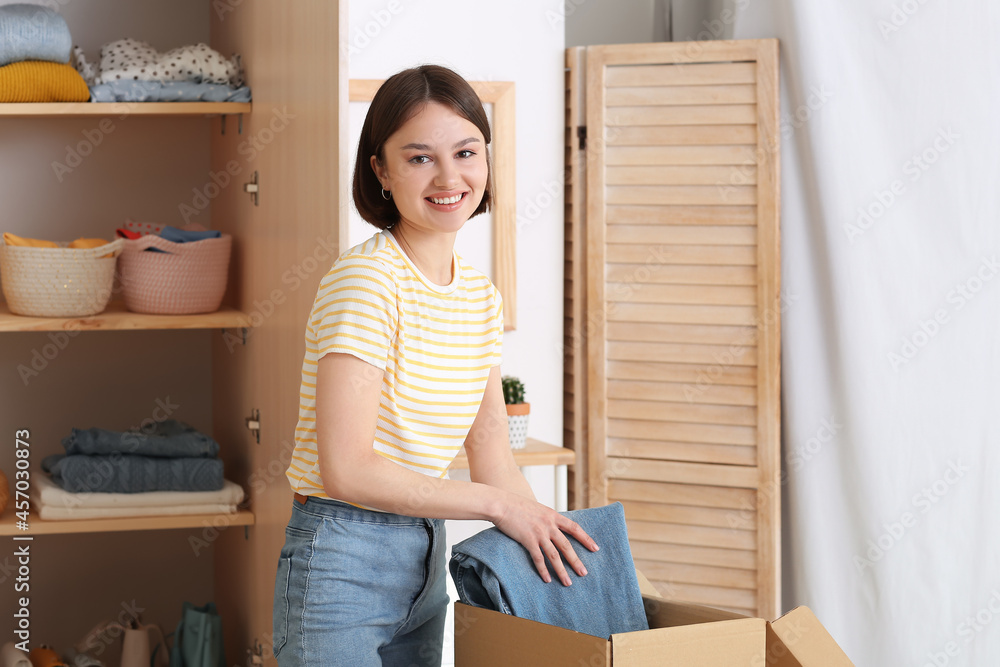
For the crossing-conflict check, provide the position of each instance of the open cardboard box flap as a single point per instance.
(798, 639)
(680, 635)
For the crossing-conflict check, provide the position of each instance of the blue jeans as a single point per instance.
(493, 571)
(359, 588)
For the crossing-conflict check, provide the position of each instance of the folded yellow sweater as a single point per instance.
(14, 240)
(41, 81)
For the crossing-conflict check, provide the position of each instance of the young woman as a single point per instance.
(401, 369)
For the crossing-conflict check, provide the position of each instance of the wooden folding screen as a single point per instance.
(673, 311)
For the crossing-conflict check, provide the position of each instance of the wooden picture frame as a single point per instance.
(502, 149)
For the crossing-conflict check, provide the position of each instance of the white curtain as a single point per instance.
(891, 337)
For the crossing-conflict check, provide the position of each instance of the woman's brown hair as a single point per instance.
(397, 100)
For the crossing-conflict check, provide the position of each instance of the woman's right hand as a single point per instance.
(542, 531)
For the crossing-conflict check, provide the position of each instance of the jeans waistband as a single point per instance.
(337, 509)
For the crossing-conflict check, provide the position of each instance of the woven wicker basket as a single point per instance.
(58, 282)
(187, 278)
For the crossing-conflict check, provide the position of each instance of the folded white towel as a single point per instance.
(46, 493)
(47, 512)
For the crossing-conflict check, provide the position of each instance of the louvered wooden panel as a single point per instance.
(678, 300)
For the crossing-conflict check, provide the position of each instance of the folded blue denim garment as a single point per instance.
(187, 236)
(168, 438)
(493, 571)
(33, 32)
(133, 474)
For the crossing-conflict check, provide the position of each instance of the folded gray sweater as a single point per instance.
(168, 438)
(33, 32)
(133, 474)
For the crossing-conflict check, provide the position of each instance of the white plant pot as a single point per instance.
(517, 428)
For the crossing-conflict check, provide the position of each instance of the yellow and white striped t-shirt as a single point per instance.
(434, 344)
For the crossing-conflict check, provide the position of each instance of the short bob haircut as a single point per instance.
(401, 97)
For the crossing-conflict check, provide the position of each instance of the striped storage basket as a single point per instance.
(187, 278)
(58, 282)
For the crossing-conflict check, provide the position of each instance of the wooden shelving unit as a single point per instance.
(116, 318)
(37, 526)
(535, 453)
(124, 108)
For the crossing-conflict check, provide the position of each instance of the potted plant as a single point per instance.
(517, 410)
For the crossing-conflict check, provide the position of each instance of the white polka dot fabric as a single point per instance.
(130, 59)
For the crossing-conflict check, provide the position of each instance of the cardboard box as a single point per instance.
(680, 635)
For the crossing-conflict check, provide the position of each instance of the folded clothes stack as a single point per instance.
(130, 70)
(172, 470)
(130, 231)
(52, 502)
(80, 243)
(34, 57)
(173, 457)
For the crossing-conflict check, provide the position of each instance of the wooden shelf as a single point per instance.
(69, 526)
(79, 109)
(535, 453)
(117, 318)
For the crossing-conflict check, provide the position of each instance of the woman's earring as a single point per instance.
(386, 196)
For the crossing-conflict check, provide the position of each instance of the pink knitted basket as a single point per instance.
(188, 278)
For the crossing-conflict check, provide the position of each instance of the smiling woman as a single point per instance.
(494, 246)
(401, 370)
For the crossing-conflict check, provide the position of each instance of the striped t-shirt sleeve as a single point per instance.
(498, 322)
(355, 311)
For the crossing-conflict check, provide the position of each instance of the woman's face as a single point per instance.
(435, 167)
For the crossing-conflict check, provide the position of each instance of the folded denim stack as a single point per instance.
(173, 457)
(34, 57)
(493, 571)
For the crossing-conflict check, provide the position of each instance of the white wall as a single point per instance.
(591, 22)
(509, 41)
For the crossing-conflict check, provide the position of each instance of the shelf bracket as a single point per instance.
(239, 128)
(242, 337)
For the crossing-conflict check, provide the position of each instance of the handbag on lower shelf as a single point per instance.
(198, 638)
